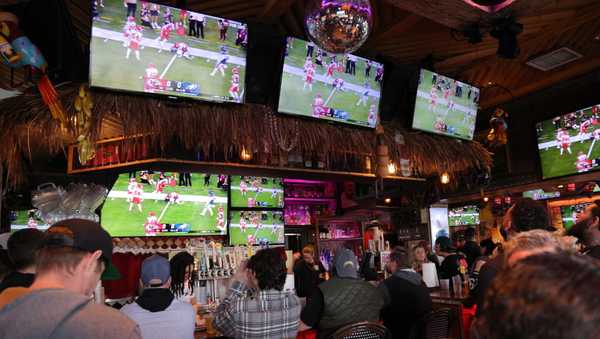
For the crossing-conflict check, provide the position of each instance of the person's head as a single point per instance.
(23, 246)
(182, 273)
(398, 260)
(420, 254)
(545, 296)
(525, 215)
(487, 246)
(345, 263)
(308, 254)
(470, 234)
(74, 255)
(443, 244)
(267, 270)
(526, 244)
(587, 230)
(460, 240)
(155, 273)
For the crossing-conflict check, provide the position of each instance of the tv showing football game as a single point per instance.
(22, 219)
(256, 192)
(317, 84)
(445, 106)
(154, 203)
(570, 144)
(464, 215)
(571, 214)
(256, 228)
(157, 49)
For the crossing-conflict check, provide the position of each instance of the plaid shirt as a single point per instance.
(265, 314)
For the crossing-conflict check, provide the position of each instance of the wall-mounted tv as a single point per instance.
(445, 106)
(464, 215)
(571, 213)
(438, 222)
(154, 203)
(540, 194)
(321, 85)
(22, 219)
(151, 48)
(570, 144)
(256, 227)
(256, 192)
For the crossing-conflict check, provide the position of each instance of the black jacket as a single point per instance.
(407, 302)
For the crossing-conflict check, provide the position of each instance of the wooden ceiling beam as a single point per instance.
(581, 17)
(577, 68)
(400, 27)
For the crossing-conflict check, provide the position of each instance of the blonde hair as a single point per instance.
(308, 249)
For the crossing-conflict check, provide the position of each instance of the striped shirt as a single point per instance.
(263, 314)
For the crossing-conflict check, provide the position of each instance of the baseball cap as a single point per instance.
(84, 235)
(345, 263)
(155, 270)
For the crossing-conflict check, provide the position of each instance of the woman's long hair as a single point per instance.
(180, 263)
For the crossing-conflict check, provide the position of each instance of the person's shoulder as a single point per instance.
(181, 306)
(105, 312)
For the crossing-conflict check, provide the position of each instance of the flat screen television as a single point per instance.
(154, 203)
(571, 213)
(540, 194)
(445, 106)
(256, 192)
(464, 215)
(570, 144)
(22, 219)
(438, 221)
(253, 227)
(321, 85)
(151, 48)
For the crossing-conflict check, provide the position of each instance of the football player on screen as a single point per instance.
(372, 119)
(234, 89)
(364, 99)
(221, 64)
(135, 39)
(165, 35)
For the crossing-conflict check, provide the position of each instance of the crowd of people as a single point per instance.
(536, 284)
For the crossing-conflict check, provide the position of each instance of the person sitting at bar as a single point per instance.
(407, 298)
(307, 273)
(454, 262)
(587, 230)
(156, 311)
(183, 277)
(544, 296)
(419, 258)
(23, 246)
(345, 299)
(471, 249)
(525, 215)
(256, 305)
(58, 304)
(487, 247)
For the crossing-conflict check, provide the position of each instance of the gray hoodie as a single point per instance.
(57, 313)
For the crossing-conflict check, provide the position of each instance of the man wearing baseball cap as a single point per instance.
(74, 254)
(156, 311)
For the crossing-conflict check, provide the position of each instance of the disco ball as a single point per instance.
(338, 26)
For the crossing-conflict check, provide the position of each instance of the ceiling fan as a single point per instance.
(490, 6)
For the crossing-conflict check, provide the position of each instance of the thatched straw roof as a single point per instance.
(28, 131)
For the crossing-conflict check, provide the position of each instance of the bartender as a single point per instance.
(308, 272)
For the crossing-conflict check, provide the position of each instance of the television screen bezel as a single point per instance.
(539, 155)
(171, 97)
(463, 206)
(175, 235)
(421, 69)
(246, 208)
(330, 121)
(239, 210)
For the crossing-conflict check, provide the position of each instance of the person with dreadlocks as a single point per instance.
(183, 277)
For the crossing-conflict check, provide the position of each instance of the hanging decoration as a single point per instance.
(286, 143)
(338, 26)
(497, 135)
(83, 123)
(18, 51)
